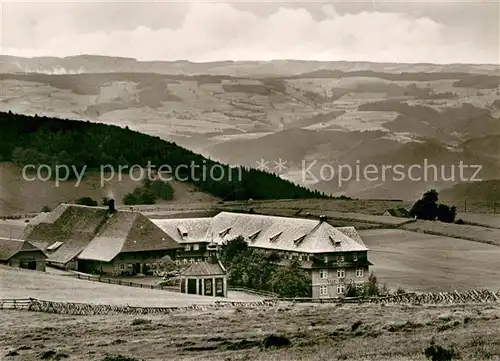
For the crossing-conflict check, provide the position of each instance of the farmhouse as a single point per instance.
(22, 254)
(100, 240)
(333, 257)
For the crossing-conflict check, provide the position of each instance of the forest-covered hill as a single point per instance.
(44, 140)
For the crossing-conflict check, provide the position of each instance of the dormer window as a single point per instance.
(224, 233)
(182, 231)
(275, 237)
(254, 235)
(335, 242)
(299, 240)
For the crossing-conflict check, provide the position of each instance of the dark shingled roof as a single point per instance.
(127, 232)
(93, 233)
(204, 269)
(73, 225)
(10, 247)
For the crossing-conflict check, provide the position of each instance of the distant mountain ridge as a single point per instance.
(241, 113)
(104, 64)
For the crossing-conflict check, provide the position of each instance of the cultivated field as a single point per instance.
(316, 333)
(486, 220)
(421, 262)
(16, 283)
(473, 233)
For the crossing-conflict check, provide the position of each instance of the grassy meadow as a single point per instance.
(316, 333)
(16, 283)
(429, 263)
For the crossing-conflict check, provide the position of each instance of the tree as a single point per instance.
(162, 190)
(291, 281)
(130, 199)
(86, 201)
(371, 287)
(446, 214)
(426, 207)
(232, 249)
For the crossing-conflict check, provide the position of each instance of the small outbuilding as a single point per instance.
(205, 278)
(22, 254)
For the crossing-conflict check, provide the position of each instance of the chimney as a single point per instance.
(322, 218)
(111, 206)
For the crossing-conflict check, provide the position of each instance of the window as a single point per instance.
(360, 272)
(300, 257)
(340, 259)
(208, 286)
(129, 266)
(187, 247)
(122, 266)
(191, 260)
(218, 285)
(196, 247)
(185, 261)
(354, 256)
(323, 273)
(199, 259)
(323, 290)
(340, 289)
(326, 259)
(340, 273)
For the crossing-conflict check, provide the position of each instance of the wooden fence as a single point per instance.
(167, 288)
(467, 297)
(253, 292)
(87, 309)
(126, 283)
(73, 308)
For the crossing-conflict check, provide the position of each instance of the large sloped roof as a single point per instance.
(10, 247)
(92, 233)
(185, 230)
(352, 233)
(204, 269)
(127, 232)
(270, 232)
(73, 225)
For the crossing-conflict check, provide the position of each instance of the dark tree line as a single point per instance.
(52, 141)
(428, 208)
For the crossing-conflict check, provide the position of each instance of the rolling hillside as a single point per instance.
(240, 113)
(86, 148)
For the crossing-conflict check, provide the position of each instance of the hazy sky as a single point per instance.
(395, 31)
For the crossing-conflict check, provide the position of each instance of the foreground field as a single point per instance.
(316, 333)
(421, 262)
(16, 283)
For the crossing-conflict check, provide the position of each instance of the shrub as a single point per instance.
(276, 341)
(439, 353)
(140, 321)
(86, 201)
